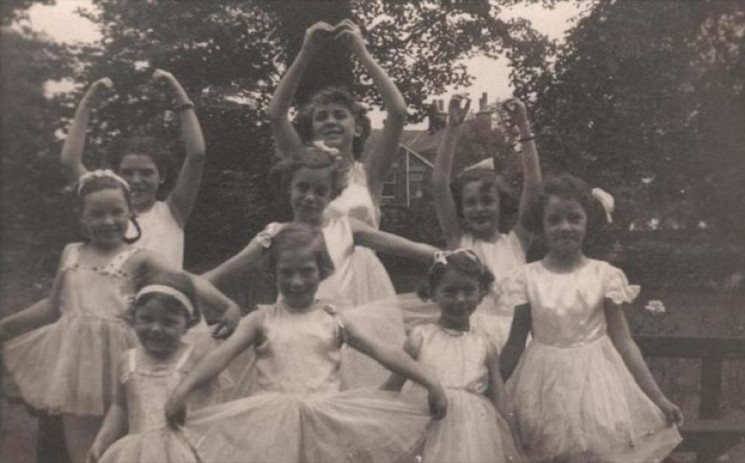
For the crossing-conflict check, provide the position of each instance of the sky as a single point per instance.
(62, 23)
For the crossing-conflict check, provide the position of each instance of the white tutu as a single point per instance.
(155, 446)
(582, 402)
(69, 366)
(350, 426)
(471, 432)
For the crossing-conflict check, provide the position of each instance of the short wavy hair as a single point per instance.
(336, 95)
(296, 235)
(567, 187)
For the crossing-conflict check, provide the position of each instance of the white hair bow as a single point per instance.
(606, 200)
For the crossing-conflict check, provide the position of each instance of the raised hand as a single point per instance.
(350, 34)
(456, 111)
(161, 75)
(316, 34)
(96, 88)
(517, 113)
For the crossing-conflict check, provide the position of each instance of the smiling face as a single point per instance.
(105, 216)
(480, 205)
(310, 193)
(143, 177)
(160, 323)
(564, 226)
(335, 125)
(298, 276)
(457, 295)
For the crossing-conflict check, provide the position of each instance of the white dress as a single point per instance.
(473, 431)
(161, 233)
(296, 412)
(371, 281)
(148, 384)
(573, 395)
(70, 366)
(503, 256)
(381, 322)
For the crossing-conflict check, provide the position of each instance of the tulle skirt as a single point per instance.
(472, 432)
(161, 445)
(352, 426)
(371, 281)
(69, 366)
(581, 403)
(382, 322)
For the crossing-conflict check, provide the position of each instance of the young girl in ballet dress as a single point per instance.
(335, 118)
(162, 311)
(296, 412)
(63, 353)
(466, 363)
(313, 180)
(581, 390)
(144, 163)
(469, 210)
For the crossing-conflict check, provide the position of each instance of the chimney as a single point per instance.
(437, 116)
(483, 117)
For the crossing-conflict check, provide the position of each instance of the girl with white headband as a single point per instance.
(580, 390)
(63, 353)
(162, 312)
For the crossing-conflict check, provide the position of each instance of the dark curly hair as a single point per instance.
(178, 281)
(296, 235)
(567, 187)
(334, 95)
(489, 179)
(463, 261)
(152, 147)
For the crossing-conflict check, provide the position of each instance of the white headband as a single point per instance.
(606, 200)
(170, 291)
(100, 173)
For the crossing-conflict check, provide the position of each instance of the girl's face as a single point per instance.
(457, 295)
(310, 193)
(298, 276)
(105, 216)
(143, 178)
(564, 226)
(159, 327)
(480, 205)
(335, 125)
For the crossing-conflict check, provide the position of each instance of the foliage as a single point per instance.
(36, 218)
(646, 100)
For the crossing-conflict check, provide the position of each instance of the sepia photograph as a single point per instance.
(316, 231)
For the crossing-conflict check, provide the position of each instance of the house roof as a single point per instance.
(420, 142)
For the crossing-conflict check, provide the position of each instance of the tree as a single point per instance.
(35, 221)
(230, 55)
(646, 100)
